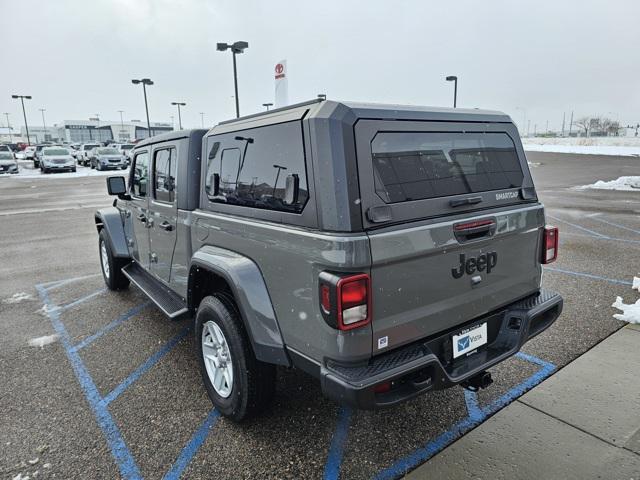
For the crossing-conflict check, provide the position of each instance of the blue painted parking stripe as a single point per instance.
(107, 328)
(334, 459)
(122, 455)
(60, 283)
(473, 419)
(592, 232)
(588, 275)
(613, 224)
(82, 300)
(192, 447)
(150, 362)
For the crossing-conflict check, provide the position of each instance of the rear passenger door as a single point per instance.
(163, 211)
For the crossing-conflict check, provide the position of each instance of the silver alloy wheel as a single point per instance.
(104, 258)
(217, 359)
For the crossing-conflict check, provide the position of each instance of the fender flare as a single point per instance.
(110, 220)
(251, 295)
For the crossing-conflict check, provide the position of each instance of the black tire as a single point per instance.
(114, 279)
(253, 381)
(73, 170)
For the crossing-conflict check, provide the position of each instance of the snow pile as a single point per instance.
(42, 341)
(622, 183)
(620, 151)
(630, 313)
(17, 298)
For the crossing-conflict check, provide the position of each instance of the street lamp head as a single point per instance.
(451, 78)
(280, 167)
(147, 81)
(239, 47)
(135, 82)
(182, 104)
(221, 47)
(14, 96)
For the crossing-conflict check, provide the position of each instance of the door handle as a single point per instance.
(142, 217)
(166, 226)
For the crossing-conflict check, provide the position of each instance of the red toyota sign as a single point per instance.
(279, 70)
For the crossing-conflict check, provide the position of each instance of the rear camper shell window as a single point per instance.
(418, 170)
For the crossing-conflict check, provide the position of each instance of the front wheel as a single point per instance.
(111, 266)
(238, 385)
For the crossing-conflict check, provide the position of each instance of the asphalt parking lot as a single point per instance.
(118, 392)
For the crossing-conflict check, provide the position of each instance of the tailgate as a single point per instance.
(426, 278)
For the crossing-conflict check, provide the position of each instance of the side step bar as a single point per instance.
(166, 299)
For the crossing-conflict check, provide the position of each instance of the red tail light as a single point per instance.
(345, 301)
(550, 245)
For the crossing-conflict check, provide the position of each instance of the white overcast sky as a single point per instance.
(77, 57)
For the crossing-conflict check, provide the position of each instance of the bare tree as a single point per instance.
(584, 124)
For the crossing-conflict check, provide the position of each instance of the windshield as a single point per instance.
(55, 151)
(90, 146)
(126, 147)
(6, 156)
(108, 151)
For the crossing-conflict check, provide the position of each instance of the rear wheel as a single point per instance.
(238, 384)
(111, 266)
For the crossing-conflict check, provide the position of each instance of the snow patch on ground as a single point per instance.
(620, 151)
(17, 298)
(42, 341)
(622, 183)
(630, 312)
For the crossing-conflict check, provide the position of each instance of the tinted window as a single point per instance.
(261, 168)
(419, 165)
(140, 172)
(164, 179)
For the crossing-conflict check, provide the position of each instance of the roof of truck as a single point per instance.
(174, 135)
(360, 110)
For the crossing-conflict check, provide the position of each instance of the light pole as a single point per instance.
(179, 104)
(237, 47)
(202, 119)
(275, 184)
(9, 127)
(524, 119)
(145, 82)
(454, 79)
(267, 105)
(44, 124)
(121, 136)
(22, 97)
(172, 123)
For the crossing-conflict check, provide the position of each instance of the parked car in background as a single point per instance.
(37, 156)
(8, 163)
(105, 158)
(6, 148)
(29, 152)
(56, 159)
(125, 149)
(82, 155)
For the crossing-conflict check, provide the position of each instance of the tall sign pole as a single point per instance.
(281, 84)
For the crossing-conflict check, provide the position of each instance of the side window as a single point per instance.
(263, 168)
(140, 174)
(164, 176)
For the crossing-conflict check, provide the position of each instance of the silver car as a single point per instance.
(56, 159)
(8, 164)
(105, 158)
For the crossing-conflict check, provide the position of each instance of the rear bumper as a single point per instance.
(428, 364)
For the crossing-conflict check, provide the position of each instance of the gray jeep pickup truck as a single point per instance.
(386, 250)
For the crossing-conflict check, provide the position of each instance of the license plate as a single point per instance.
(469, 339)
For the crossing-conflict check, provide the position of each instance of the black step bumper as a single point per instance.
(429, 364)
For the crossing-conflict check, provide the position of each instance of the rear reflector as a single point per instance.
(382, 387)
(550, 245)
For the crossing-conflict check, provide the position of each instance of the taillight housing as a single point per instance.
(549, 244)
(345, 300)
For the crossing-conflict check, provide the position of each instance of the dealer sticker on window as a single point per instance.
(468, 340)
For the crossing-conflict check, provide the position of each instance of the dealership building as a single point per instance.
(94, 130)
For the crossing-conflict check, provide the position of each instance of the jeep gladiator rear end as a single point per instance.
(386, 250)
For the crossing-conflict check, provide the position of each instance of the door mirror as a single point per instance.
(292, 189)
(117, 186)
